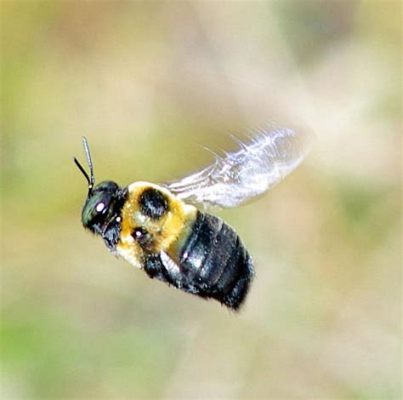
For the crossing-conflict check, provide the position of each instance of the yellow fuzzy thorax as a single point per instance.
(168, 232)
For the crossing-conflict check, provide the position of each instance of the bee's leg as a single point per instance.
(154, 268)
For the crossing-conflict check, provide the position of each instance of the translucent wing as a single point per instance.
(237, 177)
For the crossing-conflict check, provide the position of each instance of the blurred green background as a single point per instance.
(149, 84)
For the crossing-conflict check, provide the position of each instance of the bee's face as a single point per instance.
(101, 206)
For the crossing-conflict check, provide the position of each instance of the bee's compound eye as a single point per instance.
(153, 203)
(100, 206)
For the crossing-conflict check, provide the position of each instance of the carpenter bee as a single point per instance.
(166, 230)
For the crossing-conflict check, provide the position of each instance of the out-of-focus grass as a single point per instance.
(71, 361)
(149, 84)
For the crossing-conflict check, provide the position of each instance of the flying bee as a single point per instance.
(166, 230)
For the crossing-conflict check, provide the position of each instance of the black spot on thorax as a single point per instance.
(153, 203)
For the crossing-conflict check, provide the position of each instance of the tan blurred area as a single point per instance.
(150, 84)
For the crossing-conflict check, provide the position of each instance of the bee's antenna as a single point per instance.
(89, 162)
(90, 178)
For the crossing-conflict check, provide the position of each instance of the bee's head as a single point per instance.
(104, 201)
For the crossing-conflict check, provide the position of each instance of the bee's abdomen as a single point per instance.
(214, 263)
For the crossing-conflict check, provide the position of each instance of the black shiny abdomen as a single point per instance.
(213, 263)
